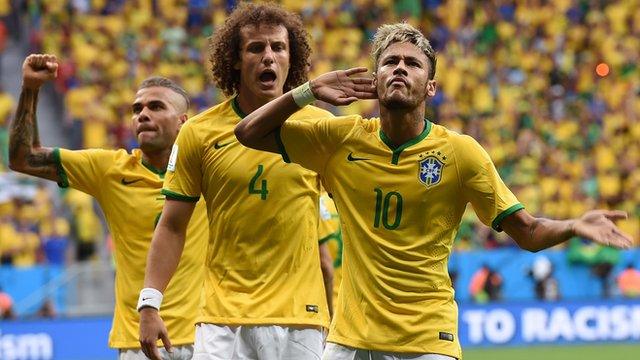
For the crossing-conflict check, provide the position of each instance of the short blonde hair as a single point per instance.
(388, 34)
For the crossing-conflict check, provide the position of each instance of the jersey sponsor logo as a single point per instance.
(218, 145)
(430, 171)
(350, 157)
(129, 182)
(312, 308)
(171, 166)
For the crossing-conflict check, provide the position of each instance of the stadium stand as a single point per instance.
(518, 76)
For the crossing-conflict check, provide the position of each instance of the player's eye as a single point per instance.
(255, 48)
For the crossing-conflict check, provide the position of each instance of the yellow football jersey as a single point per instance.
(128, 192)
(400, 208)
(262, 264)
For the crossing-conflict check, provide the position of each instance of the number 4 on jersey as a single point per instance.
(263, 188)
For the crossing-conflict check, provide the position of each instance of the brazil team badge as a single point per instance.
(430, 171)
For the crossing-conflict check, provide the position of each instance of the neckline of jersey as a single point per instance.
(153, 169)
(398, 150)
(236, 107)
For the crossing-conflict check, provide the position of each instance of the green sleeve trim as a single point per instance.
(175, 196)
(281, 148)
(327, 238)
(498, 220)
(63, 180)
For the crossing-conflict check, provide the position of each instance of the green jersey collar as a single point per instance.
(398, 150)
(236, 107)
(153, 169)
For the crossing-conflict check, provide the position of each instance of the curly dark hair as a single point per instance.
(224, 45)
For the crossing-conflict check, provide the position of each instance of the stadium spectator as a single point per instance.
(87, 226)
(6, 108)
(485, 285)
(600, 259)
(127, 187)
(47, 310)
(10, 241)
(628, 282)
(577, 112)
(27, 238)
(546, 286)
(259, 284)
(55, 241)
(6, 306)
(400, 227)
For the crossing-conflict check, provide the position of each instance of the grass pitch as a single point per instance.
(569, 352)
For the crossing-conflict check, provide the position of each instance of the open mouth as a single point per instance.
(268, 77)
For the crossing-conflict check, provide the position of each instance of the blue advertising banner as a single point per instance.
(504, 324)
(549, 323)
(60, 339)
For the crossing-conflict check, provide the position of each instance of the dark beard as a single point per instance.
(396, 104)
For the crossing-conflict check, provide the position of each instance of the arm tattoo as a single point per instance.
(24, 139)
(21, 136)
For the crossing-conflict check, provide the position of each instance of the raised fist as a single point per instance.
(37, 69)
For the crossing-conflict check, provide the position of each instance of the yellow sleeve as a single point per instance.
(83, 169)
(184, 176)
(311, 143)
(482, 185)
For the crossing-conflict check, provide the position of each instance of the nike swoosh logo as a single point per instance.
(218, 145)
(125, 182)
(353, 158)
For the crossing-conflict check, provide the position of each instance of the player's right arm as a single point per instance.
(162, 261)
(26, 155)
(258, 130)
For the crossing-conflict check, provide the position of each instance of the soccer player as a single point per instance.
(127, 187)
(263, 295)
(401, 184)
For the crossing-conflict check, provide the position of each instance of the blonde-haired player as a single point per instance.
(401, 184)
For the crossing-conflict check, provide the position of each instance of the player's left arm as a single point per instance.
(258, 129)
(162, 261)
(535, 234)
(326, 265)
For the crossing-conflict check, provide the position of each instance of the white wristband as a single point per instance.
(149, 297)
(303, 95)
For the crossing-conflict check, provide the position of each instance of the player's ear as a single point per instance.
(431, 88)
(375, 79)
(182, 119)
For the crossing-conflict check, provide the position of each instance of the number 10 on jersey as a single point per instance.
(383, 202)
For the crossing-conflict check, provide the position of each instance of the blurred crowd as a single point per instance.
(519, 76)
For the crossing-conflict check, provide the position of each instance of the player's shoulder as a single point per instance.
(312, 112)
(122, 157)
(458, 140)
(217, 113)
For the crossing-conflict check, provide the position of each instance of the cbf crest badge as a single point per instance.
(430, 171)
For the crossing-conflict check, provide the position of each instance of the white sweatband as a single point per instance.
(303, 95)
(149, 297)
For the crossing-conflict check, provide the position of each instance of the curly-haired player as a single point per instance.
(263, 295)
